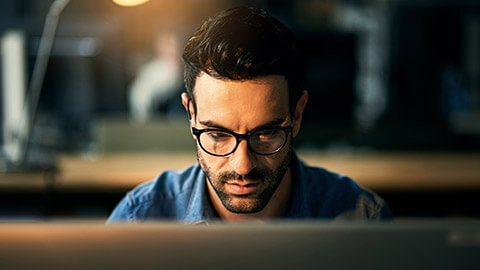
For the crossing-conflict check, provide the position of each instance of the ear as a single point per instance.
(187, 104)
(297, 117)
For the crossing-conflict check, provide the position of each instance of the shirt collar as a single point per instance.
(299, 206)
(199, 207)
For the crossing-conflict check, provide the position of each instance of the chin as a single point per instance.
(244, 206)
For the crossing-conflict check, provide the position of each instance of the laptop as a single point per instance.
(275, 245)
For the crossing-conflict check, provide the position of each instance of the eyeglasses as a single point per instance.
(264, 141)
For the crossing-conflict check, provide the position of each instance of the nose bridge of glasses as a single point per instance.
(241, 137)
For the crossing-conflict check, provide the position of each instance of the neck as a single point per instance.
(277, 206)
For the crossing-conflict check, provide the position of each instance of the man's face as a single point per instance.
(243, 181)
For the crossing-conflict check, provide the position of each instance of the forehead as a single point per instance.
(241, 105)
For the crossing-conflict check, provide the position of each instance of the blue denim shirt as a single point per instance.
(183, 196)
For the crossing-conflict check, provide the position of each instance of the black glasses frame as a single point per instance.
(240, 137)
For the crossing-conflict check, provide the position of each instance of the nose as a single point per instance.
(243, 160)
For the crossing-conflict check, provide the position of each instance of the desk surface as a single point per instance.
(377, 171)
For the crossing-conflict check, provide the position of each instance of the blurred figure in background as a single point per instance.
(158, 83)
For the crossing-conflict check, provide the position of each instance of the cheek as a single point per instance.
(273, 162)
(214, 164)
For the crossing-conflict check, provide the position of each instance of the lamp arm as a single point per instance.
(38, 75)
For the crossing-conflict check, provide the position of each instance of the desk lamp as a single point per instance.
(19, 160)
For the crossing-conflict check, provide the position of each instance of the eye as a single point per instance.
(218, 135)
(267, 133)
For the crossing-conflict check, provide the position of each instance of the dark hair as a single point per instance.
(243, 43)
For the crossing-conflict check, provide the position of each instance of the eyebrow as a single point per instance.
(273, 123)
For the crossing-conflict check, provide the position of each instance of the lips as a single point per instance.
(241, 188)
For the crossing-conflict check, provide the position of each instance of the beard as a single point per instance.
(269, 181)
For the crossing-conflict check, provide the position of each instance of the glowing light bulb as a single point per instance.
(129, 3)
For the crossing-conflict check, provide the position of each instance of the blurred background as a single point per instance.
(394, 100)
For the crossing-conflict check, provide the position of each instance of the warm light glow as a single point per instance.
(129, 3)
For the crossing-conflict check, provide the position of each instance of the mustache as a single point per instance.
(254, 175)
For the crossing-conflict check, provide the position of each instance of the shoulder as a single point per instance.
(167, 185)
(166, 196)
(333, 195)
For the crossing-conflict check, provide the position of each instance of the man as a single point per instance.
(245, 107)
